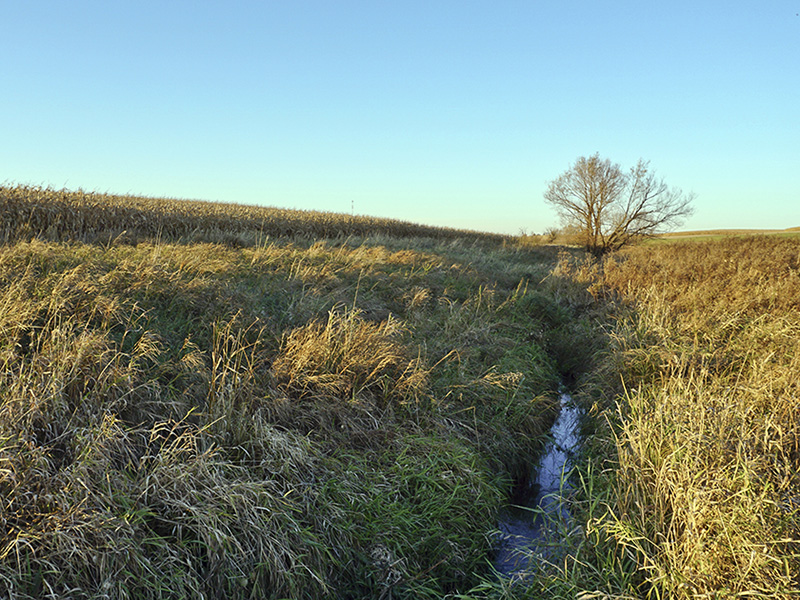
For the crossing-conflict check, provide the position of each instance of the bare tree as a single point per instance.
(611, 208)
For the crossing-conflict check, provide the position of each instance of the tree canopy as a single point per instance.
(609, 207)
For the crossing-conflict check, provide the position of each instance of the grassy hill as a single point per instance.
(204, 400)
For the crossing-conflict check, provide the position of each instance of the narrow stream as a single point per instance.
(525, 525)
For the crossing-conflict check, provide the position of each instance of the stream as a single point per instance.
(538, 510)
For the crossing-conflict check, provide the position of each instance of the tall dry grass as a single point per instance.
(703, 498)
(287, 419)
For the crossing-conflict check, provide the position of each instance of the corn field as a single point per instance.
(59, 215)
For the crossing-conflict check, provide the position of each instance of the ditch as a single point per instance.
(537, 511)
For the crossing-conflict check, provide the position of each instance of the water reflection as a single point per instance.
(524, 526)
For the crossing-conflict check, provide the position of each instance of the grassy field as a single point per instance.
(690, 486)
(211, 401)
(219, 411)
(722, 234)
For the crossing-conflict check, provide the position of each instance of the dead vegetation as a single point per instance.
(705, 454)
(28, 212)
(291, 418)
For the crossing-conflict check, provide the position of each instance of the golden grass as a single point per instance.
(348, 357)
(294, 418)
(707, 426)
(720, 234)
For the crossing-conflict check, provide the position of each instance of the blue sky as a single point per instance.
(453, 113)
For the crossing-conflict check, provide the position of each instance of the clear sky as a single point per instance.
(452, 113)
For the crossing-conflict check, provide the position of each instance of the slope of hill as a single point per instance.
(216, 401)
(27, 212)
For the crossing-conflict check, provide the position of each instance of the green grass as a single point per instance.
(688, 482)
(229, 403)
(292, 418)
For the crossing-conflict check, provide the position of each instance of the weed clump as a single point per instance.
(346, 357)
